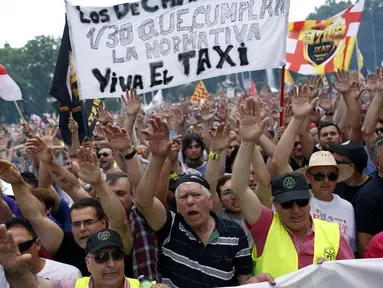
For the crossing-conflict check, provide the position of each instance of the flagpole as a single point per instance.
(281, 104)
(18, 110)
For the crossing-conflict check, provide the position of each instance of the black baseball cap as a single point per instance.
(101, 239)
(353, 151)
(173, 179)
(193, 178)
(289, 186)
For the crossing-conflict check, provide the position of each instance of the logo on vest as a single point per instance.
(329, 253)
(288, 183)
(104, 235)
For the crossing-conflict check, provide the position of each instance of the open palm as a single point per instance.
(87, 166)
(301, 107)
(251, 123)
(9, 173)
(132, 102)
(38, 146)
(118, 138)
(158, 138)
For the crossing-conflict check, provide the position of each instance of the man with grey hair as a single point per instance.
(369, 201)
(199, 249)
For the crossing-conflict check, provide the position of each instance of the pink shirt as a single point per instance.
(70, 283)
(374, 249)
(305, 251)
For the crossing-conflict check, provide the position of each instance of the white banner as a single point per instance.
(156, 44)
(332, 274)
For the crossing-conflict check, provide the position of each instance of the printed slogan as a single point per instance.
(155, 44)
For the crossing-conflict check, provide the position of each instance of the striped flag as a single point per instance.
(361, 67)
(323, 46)
(200, 93)
(288, 78)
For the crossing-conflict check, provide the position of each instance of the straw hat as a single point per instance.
(325, 158)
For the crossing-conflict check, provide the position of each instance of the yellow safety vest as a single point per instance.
(83, 282)
(279, 256)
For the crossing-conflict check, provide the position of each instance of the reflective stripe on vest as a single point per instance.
(83, 282)
(279, 255)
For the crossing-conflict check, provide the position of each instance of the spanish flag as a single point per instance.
(200, 93)
(323, 46)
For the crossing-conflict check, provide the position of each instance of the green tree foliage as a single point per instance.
(32, 67)
(372, 22)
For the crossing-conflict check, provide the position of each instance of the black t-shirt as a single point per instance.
(295, 165)
(369, 207)
(72, 254)
(348, 192)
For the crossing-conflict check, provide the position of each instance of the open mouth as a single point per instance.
(192, 213)
(110, 274)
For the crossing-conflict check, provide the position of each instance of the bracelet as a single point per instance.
(329, 113)
(130, 155)
(214, 156)
(2, 150)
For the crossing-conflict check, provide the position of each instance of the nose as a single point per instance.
(295, 208)
(190, 200)
(111, 263)
(325, 179)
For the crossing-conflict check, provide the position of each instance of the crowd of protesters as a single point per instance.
(210, 195)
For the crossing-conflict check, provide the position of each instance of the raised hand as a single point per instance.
(132, 102)
(287, 114)
(103, 115)
(87, 166)
(355, 91)
(379, 79)
(301, 107)
(251, 124)
(343, 80)
(72, 125)
(27, 130)
(119, 139)
(222, 111)
(220, 139)
(325, 101)
(50, 135)
(178, 115)
(10, 256)
(371, 83)
(314, 84)
(207, 114)
(38, 146)
(9, 172)
(158, 138)
(121, 119)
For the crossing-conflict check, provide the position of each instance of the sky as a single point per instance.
(46, 17)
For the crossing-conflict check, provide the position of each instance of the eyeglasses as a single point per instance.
(24, 246)
(379, 130)
(300, 202)
(297, 143)
(86, 223)
(105, 154)
(332, 176)
(103, 257)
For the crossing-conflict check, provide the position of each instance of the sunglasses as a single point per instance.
(300, 202)
(103, 257)
(297, 143)
(379, 130)
(321, 175)
(103, 154)
(24, 246)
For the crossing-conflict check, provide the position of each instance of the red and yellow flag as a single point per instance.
(200, 93)
(323, 46)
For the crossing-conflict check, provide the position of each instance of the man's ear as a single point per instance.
(38, 244)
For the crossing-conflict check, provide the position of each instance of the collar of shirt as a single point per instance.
(125, 285)
(220, 225)
(298, 244)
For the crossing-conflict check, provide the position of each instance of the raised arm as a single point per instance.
(50, 234)
(89, 172)
(220, 140)
(132, 106)
(62, 177)
(160, 145)
(73, 128)
(373, 112)
(263, 189)
(207, 116)
(16, 265)
(351, 92)
(5, 211)
(301, 109)
(251, 129)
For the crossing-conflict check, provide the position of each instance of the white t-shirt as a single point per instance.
(339, 211)
(52, 270)
(58, 270)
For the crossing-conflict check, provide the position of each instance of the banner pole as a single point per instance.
(18, 110)
(281, 104)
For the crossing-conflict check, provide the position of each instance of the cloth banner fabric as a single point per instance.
(331, 274)
(155, 44)
(9, 90)
(323, 46)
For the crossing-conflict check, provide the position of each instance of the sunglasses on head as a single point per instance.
(300, 202)
(105, 154)
(379, 130)
(24, 246)
(103, 257)
(332, 176)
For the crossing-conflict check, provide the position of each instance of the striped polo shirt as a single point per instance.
(187, 262)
